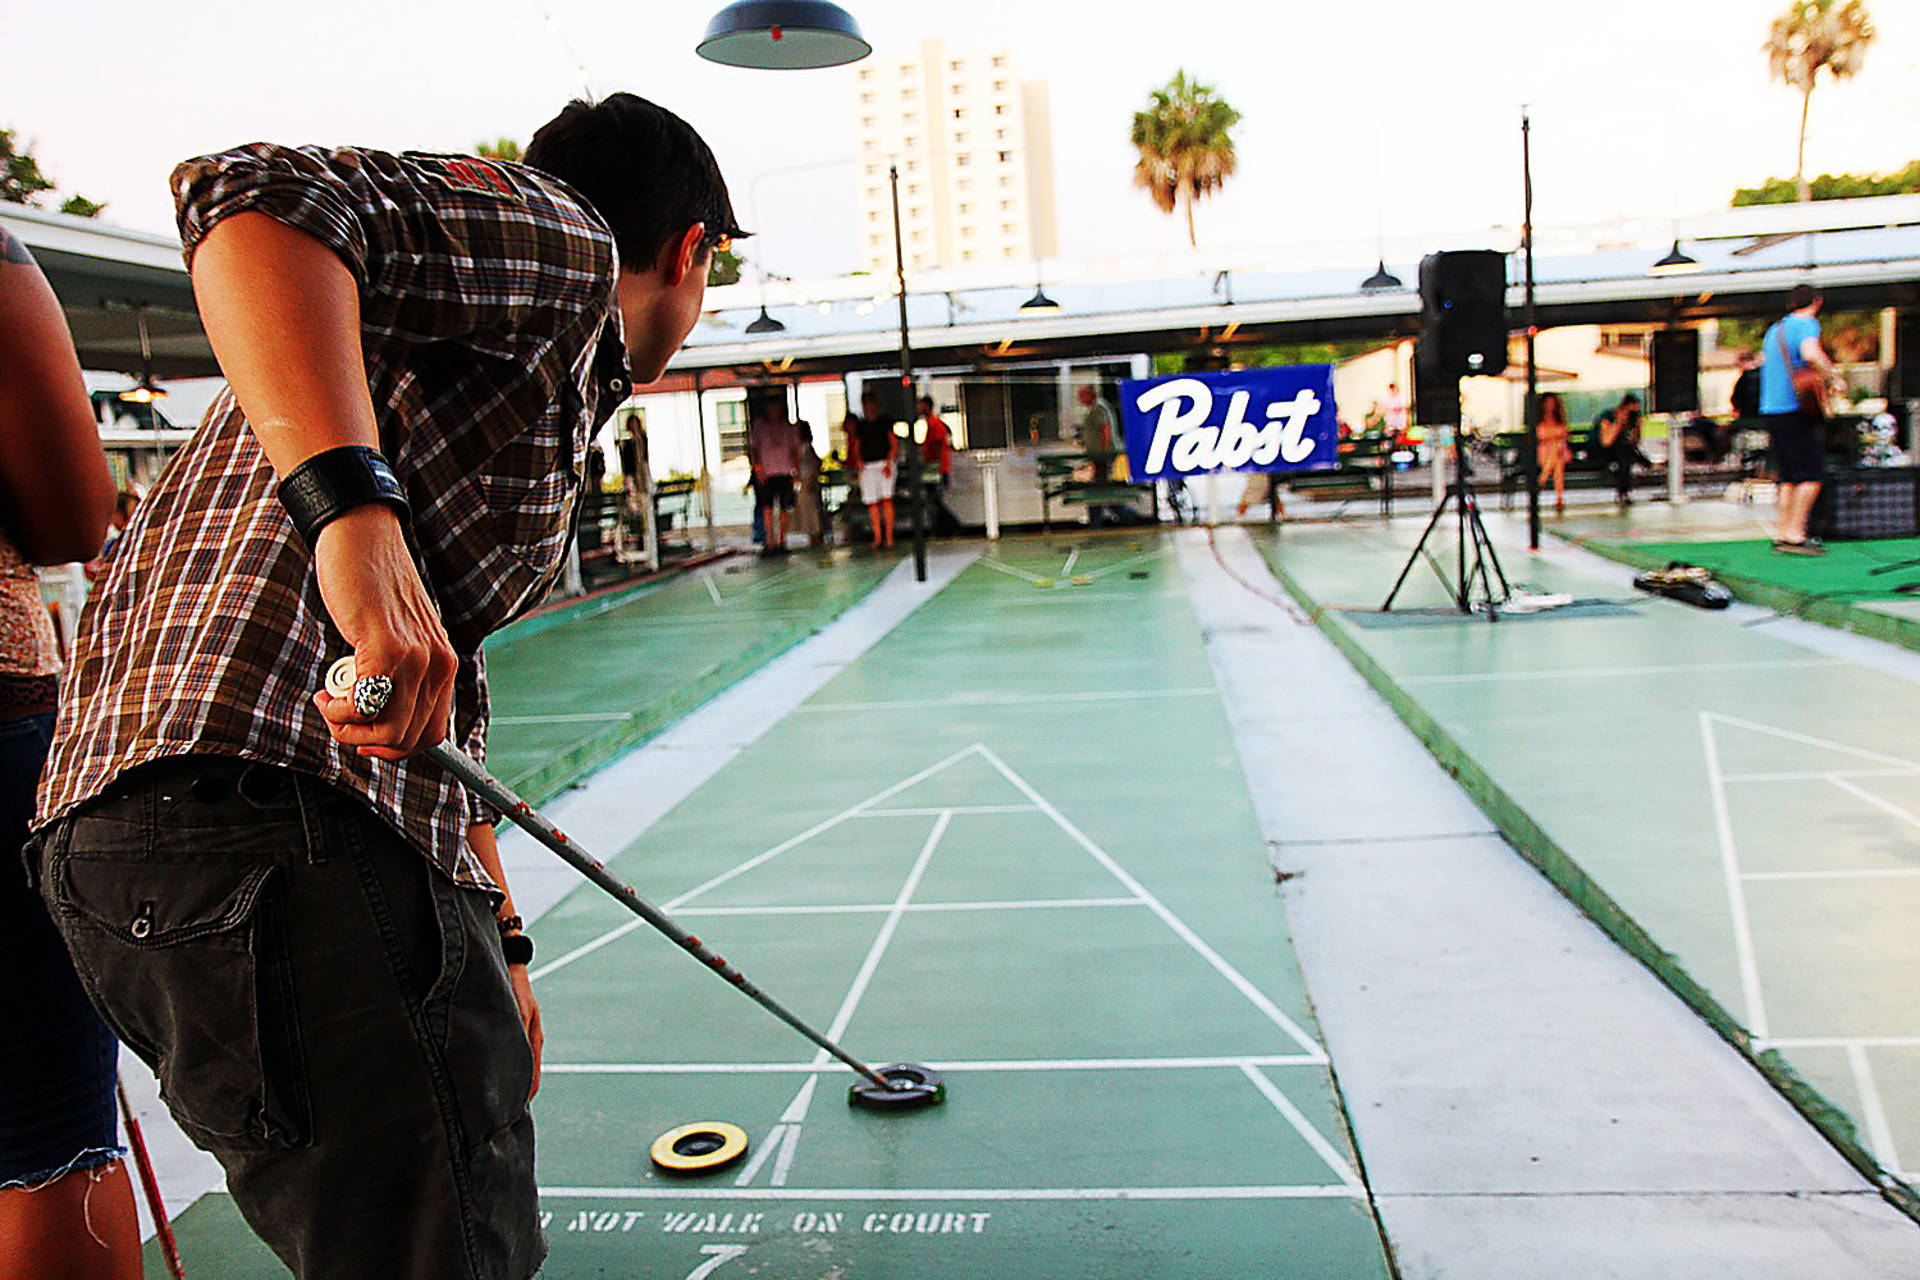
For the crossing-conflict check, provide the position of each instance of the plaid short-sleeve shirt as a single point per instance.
(493, 353)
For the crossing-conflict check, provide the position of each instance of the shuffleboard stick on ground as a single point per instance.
(893, 1088)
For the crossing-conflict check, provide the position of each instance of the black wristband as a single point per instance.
(334, 482)
(517, 947)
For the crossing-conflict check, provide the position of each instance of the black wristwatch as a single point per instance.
(334, 482)
(517, 947)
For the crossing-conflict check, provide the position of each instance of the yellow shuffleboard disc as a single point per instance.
(700, 1147)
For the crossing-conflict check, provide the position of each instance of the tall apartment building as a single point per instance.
(975, 151)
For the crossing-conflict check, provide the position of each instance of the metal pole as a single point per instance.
(916, 488)
(1532, 439)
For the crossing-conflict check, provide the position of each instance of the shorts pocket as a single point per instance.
(187, 961)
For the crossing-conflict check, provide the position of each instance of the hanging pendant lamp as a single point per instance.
(783, 35)
(1380, 279)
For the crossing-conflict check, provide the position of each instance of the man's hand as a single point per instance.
(375, 597)
(529, 1018)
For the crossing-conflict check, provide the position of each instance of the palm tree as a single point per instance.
(1811, 36)
(1186, 145)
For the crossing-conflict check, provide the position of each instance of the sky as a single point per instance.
(1367, 123)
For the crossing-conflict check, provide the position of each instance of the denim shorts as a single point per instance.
(57, 1059)
(327, 1014)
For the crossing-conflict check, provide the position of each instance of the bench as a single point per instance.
(1360, 473)
(1057, 483)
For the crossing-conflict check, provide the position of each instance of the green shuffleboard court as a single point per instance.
(1740, 812)
(573, 689)
(1012, 842)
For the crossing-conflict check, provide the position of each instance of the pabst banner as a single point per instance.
(1253, 420)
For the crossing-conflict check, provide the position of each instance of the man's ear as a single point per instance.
(682, 256)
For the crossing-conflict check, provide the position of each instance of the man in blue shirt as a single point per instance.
(1799, 460)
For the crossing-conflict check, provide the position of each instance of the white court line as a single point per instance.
(1841, 1042)
(583, 717)
(1004, 700)
(888, 928)
(1880, 874)
(1819, 775)
(982, 1194)
(1874, 800)
(1324, 1149)
(1608, 673)
(877, 908)
(1066, 570)
(1879, 1132)
(712, 590)
(1806, 740)
(1236, 1062)
(1010, 571)
(1736, 895)
(955, 809)
(1257, 997)
(588, 948)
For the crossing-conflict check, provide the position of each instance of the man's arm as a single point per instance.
(481, 839)
(283, 315)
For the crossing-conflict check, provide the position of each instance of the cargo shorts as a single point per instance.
(327, 1014)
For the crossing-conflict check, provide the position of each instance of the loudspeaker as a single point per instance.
(1906, 355)
(1676, 371)
(1436, 396)
(1463, 312)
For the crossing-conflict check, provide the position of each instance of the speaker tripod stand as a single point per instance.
(1484, 569)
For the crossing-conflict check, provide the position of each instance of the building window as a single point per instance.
(999, 86)
(873, 215)
(866, 99)
(1009, 252)
(999, 135)
(913, 140)
(959, 113)
(1008, 228)
(909, 94)
(868, 122)
(1006, 179)
(965, 184)
(968, 255)
(999, 108)
(957, 90)
(963, 160)
(958, 64)
(959, 137)
(1000, 60)
(966, 232)
(965, 207)
(1006, 156)
(731, 417)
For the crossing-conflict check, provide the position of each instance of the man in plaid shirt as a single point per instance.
(302, 928)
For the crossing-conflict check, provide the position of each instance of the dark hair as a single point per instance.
(1801, 295)
(1559, 413)
(1630, 398)
(642, 168)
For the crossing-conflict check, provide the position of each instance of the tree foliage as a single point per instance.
(507, 149)
(1810, 37)
(1833, 186)
(724, 269)
(1185, 141)
(21, 181)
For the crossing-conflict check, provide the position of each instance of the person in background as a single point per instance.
(773, 451)
(938, 447)
(870, 438)
(1745, 396)
(66, 1203)
(1619, 437)
(1553, 451)
(809, 514)
(1793, 416)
